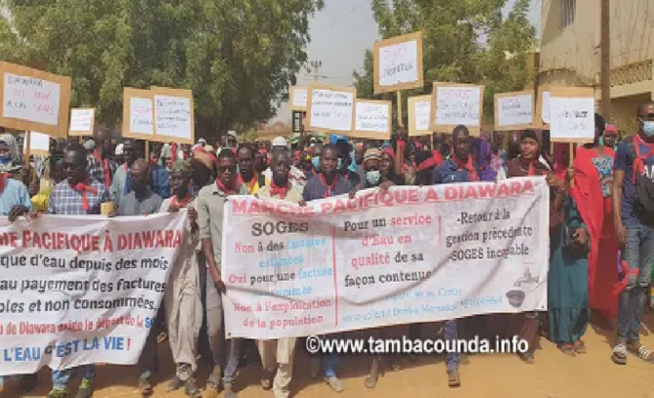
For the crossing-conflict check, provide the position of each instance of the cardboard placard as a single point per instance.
(572, 114)
(454, 104)
(398, 63)
(330, 108)
(298, 98)
(82, 121)
(173, 115)
(419, 111)
(39, 143)
(543, 107)
(34, 100)
(138, 114)
(514, 111)
(372, 119)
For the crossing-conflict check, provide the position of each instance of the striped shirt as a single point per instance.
(64, 200)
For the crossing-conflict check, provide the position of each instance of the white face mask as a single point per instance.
(373, 177)
(648, 128)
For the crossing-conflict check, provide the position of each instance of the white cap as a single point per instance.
(119, 149)
(231, 133)
(280, 141)
(202, 141)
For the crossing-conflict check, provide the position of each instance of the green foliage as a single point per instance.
(454, 49)
(238, 56)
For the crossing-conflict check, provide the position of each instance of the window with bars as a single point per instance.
(568, 10)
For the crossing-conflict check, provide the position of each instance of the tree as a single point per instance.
(238, 56)
(453, 43)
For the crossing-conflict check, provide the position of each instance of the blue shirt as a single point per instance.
(448, 173)
(14, 194)
(624, 160)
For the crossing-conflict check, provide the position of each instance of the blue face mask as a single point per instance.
(315, 161)
(5, 159)
(648, 127)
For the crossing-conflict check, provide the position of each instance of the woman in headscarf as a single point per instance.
(387, 167)
(481, 151)
(593, 180)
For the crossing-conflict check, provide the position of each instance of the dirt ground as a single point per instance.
(493, 375)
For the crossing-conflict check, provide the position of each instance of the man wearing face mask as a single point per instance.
(315, 161)
(633, 209)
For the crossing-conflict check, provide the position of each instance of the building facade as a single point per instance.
(570, 51)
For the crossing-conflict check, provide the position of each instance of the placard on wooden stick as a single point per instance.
(298, 98)
(398, 63)
(173, 115)
(32, 99)
(572, 114)
(456, 104)
(82, 122)
(39, 143)
(419, 109)
(372, 119)
(514, 111)
(330, 108)
(138, 114)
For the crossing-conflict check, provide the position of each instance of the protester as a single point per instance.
(426, 162)
(140, 200)
(119, 154)
(314, 170)
(77, 195)
(10, 159)
(593, 178)
(210, 204)
(247, 176)
(183, 296)
(100, 165)
(296, 175)
(326, 184)
(609, 138)
(387, 167)
(158, 179)
(633, 206)
(277, 355)
(526, 325)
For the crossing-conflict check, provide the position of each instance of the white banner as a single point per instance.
(408, 255)
(82, 290)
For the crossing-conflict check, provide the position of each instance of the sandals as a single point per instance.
(373, 375)
(527, 357)
(145, 387)
(579, 347)
(643, 352)
(619, 354)
(568, 349)
(453, 378)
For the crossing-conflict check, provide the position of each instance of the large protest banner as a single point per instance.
(407, 255)
(82, 290)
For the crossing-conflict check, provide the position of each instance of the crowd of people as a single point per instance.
(601, 229)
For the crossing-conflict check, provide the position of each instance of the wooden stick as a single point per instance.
(399, 108)
(147, 151)
(26, 155)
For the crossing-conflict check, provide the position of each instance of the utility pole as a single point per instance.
(315, 66)
(605, 65)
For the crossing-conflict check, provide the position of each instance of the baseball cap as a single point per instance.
(280, 141)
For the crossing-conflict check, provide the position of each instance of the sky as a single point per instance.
(340, 35)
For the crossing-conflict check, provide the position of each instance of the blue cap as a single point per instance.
(334, 138)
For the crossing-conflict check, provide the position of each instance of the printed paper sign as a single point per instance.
(82, 290)
(39, 143)
(330, 109)
(81, 121)
(372, 119)
(141, 115)
(456, 104)
(298, 97)
(407, 255)
(514, 110)
(419, 111)
(572, 114)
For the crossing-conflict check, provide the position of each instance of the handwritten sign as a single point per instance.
(419, 110)
(398, 63)
(39, 143)
(330, 108)
(454, 104)
(372, 119)
(572, 114)
(138, 114)
(298, 98)
(173, 115)
(514, 110)
(34, 100)
(82, 122)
